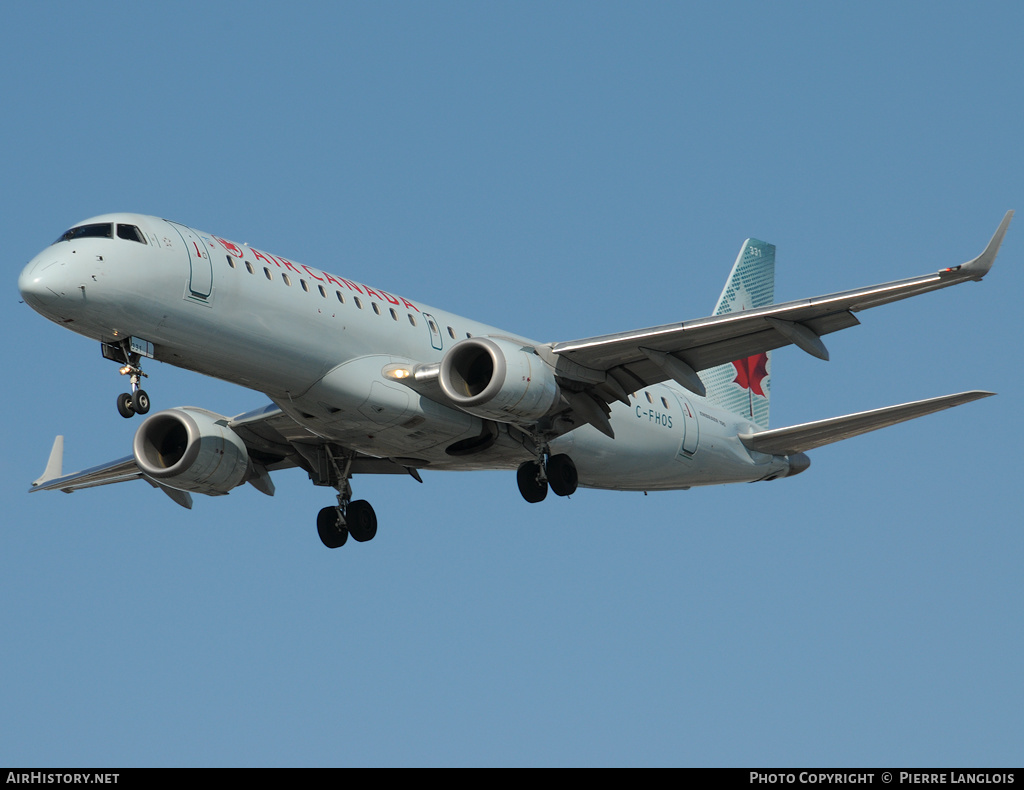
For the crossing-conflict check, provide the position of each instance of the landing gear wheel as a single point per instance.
(332, 534)
(140, 402)
(362, 521)
(562, 475)
(531, 486)
(125, 406)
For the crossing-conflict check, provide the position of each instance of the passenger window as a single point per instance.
(131, 233)
(305, 287)
(375, 308)
(358, 302)
(287, 279)
(412, 319)
(323, 292)
(451, 333)
(266, 271)
(340, 297)
(231, 261)
(394, 314)
(248, 267)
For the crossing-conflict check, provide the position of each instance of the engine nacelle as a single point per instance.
(192, 450)
(798, 462)
(498, 379)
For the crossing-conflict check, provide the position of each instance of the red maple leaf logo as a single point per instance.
(750, 372)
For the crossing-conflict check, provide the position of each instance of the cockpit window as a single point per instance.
(103, 230)
(130, 232)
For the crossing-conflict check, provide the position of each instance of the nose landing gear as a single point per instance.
(137, 401)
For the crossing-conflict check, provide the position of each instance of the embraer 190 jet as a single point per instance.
(364, 381)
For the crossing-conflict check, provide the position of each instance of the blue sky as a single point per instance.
(560, 170)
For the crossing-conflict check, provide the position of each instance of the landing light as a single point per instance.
(400, 371)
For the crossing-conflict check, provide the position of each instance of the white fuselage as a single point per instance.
(318, 346)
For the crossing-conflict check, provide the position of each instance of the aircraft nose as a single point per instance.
(41, 281)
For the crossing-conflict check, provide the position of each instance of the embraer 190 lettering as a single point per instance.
(366, 381)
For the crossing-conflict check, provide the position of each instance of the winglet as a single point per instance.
(55, 466)
(979, 267)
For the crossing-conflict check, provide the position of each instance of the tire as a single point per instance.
(362, 521)
(140, 402)
(125, 407)
(532, 489)
(562, 475)
(331, 533)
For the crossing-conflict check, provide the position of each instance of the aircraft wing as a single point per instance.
(273, 440)
(53, 478)
(801, 438)
(621, 363)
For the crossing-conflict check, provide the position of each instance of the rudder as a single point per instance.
(744, 386)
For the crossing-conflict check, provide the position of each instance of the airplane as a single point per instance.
(364, 381)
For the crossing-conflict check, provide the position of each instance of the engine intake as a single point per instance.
(498, 379)
(192, 450)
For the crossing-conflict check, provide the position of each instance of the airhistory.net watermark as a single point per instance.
(47, 778)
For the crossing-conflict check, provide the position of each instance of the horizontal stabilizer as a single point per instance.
(801, 438)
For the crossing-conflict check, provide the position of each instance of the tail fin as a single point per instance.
(744, 386)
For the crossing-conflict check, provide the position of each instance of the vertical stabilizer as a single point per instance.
(744, 386)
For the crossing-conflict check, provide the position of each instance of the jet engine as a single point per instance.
(498, 379)
(192, 450)
(798, 462)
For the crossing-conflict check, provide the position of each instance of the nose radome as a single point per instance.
(40, 281)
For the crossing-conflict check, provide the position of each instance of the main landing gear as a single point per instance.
(559, 474)
(335, 524)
